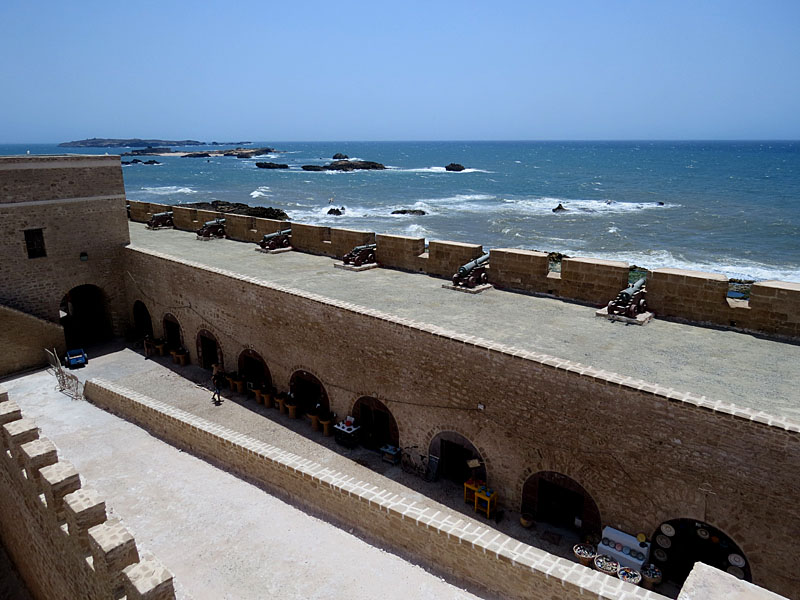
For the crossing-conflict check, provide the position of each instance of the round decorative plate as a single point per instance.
(626, 551)
(618, 547)
(606, 541)
(737, 560)
(667, 530)
(663, 541)
(660, 555)
(736, 572)
(703, 534)
(640, 537)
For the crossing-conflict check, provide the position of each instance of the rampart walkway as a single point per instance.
(723, 365)
(221, 537)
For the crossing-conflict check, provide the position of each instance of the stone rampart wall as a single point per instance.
(443, 539)
(774, 307)
(92, 223)
(57, 532)
(45, 178)
(23, 339)
(643, 453)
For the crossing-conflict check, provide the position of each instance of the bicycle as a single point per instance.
(417, 463)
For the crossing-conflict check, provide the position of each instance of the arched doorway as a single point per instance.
(142, 324)
(561, 501)
(309, 393)
(172, 332)
(378, 426)
(679, 543)
(253, 370)
(455, 452)
(83, 314)
(208, 350)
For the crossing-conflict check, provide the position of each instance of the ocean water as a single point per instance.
(722, 207)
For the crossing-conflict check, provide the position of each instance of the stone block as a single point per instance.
(3, 394)
(113, 548)
(9, 411)
(58, 480)
(83, 510)
(19, 432)
(37, 454)
(148, 579)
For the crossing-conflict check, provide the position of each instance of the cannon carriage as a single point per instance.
(361, 255)
(631, 301)
(212, 229)
(159, 220)
(473, 273)
(279, 239)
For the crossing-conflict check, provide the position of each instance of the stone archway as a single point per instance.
(454, 451)
(209, 352)
(378, 425)
(142, 323)
(254, 370)
(557, 499)
(309, 393)
(84, 315)
(173, 333)
(678, 544)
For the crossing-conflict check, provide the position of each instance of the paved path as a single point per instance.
(724, 365)
(220, 536)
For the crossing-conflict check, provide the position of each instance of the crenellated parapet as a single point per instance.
(57, 531)
(692, 296)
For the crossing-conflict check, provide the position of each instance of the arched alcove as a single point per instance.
(309, 393)
(678, 544)
(253, 370)
(208, 350)
(84, 315)
(454, 452)
(557, 499)
(173, 333)
(378, 426)
(142, 323)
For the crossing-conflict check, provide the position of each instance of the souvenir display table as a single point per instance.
(390, 454)
(346, 435)
(624, 548)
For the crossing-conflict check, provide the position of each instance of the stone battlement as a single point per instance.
(696, 297)
(57, 531)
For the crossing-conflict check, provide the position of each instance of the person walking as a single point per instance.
(216, 381)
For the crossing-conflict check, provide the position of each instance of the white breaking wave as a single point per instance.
(546, 204)
(733, 268)
(167, 190)
(434, 170)
(260, 192)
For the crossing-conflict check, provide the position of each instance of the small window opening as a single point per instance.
(34, 242)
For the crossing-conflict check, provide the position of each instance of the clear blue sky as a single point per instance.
(282, 71)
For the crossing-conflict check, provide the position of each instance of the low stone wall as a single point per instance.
(444, 540)
(23, 339)
(444, 258)
(692, 296)
(56, 532)
(404, 253)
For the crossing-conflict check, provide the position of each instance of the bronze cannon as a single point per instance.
(162, 219)
(279, 239)
(215, 228)
(360, 255)
(472, 273)
(631, 301)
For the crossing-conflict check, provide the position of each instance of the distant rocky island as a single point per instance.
(122, 143)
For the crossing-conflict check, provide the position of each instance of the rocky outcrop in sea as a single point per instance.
(239, 208)
(271, 165)
(346, 165)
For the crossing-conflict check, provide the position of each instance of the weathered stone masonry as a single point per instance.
(541, 413)
(57, 532)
